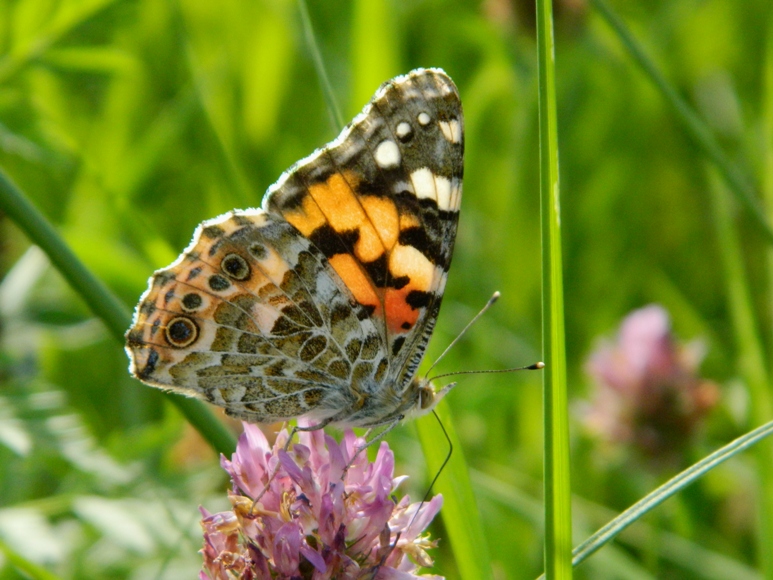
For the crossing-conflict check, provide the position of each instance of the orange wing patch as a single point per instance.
(338, 202)
(344, 212)
(382, 212)
(307, 218)
(355, 279)
(378, 223)
(407, 261)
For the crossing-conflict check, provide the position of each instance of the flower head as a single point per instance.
(648, 392)
(317, 519)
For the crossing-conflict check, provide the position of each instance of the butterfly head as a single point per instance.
(426, 396)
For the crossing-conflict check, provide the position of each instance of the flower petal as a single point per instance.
(316, 515)
(418, 520)
(314, 557)
(287, 544)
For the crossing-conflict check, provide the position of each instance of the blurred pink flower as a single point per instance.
(315, 521)
(648, 393)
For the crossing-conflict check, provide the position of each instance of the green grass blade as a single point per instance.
(558, 520)
(688, 555)
(695, 127)
(100, 299)
(206, 423)
(764, 455)
(334, 110)
(460, 513)
(750, 360)
(26, 567)
(374, 48)
(767, 133)
(672, 486)
(103, 302)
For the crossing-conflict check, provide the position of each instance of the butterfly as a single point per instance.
(320, 303)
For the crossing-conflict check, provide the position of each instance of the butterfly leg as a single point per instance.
(376, 438)
(384, 551)
(322, 424)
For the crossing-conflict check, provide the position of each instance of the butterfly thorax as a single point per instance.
(370, 405)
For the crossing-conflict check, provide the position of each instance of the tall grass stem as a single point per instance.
(558, 520)
(336, 119)
(750, 359)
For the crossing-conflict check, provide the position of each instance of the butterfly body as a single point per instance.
(321, 302)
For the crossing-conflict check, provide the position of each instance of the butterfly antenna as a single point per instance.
(489, 304)
(532, 367)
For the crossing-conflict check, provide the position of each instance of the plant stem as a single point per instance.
(558, 521)
(100, 299)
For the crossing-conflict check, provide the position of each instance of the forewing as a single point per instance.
(381, 203)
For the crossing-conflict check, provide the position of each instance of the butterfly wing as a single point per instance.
(382, 204)
(321, 303)
(251, 318)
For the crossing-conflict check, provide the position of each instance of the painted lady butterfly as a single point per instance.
(320, 304)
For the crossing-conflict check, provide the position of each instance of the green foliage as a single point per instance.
(128, 122)
(557, 484)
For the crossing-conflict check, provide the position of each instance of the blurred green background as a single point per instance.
(127, 122)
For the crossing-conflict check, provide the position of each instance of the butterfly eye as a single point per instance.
(181, 332)
(236, 267)
(426, 397)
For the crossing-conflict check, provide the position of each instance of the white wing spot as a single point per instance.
(387, 154)
(445, 127)
(403, 130)
(424, 183)
(443, 188)
(456, 193)
(427, 185)
(452, 130)
(424, 119)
